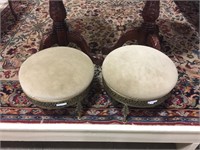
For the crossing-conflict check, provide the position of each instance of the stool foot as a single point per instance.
(125, 112)
(79, 108)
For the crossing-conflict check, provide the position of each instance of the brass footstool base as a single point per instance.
(138, 76)
(133, 102)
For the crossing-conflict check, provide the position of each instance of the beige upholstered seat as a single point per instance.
(139, 76)
(56, 77)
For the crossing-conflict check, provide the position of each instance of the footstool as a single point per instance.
(138, 76)
(57, 77)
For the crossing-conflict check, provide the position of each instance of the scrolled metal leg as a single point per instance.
(125, 112)
(79, 109)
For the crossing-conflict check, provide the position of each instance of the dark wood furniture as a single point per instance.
(61, 34)
(11, 8)
(147, 34)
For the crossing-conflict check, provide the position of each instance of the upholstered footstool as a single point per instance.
(138, 76)
(57, 77)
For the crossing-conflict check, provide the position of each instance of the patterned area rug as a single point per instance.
(101, 22)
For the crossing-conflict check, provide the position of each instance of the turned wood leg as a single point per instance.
(61, 34)
(147, 34)
(153, 40)
(128, 36)
(12, 10)
(76, 38)
(58, 35)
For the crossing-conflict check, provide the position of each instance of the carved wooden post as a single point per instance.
(12, 10)
(61, 34)
(58, 14)
(150, 14)
(149, 29)
(147, 34)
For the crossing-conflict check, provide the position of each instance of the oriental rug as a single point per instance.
(101, 22)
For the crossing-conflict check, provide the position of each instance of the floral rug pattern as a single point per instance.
(100, 22)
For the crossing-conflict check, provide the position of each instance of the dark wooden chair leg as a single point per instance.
(49, 41)
(147, 34)
(149, 28)
(153, 40)
(76, 38)
(58, 14)
(12, 10)
(128, 36)
(61, 34)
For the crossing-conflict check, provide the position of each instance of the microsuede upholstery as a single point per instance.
(56, 74)
(139, 72)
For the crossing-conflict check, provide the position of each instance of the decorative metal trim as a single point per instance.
(61, 104)
(134, 102)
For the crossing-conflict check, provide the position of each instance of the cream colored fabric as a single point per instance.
(139, 72)
(56, 74)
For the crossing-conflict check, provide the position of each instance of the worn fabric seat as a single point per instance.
(138, 76)
(57, 77)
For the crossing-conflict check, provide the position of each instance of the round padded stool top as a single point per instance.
(139, 72)
(56, 74)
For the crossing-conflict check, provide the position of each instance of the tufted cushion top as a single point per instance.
(139, 72)
(56, 74)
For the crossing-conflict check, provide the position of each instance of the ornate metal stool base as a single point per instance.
(138, 76)
(133, 102)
